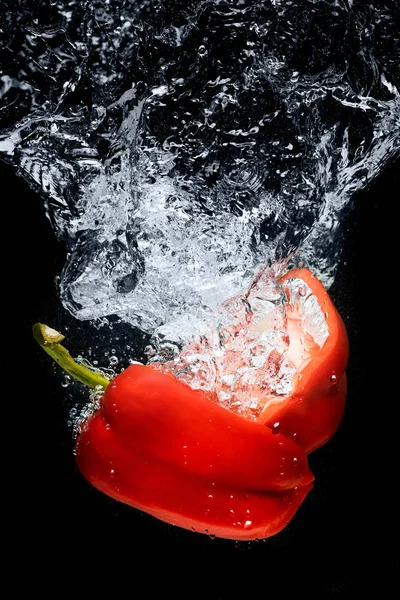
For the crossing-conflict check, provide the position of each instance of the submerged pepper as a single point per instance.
(166, 449)
(314, 409)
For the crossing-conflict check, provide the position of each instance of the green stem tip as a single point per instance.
(49, 339)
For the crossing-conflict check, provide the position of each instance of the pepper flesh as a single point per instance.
(164, 448)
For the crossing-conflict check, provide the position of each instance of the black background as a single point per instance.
(343, 540)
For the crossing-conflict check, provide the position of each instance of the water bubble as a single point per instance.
(67, 381)
(276, 428)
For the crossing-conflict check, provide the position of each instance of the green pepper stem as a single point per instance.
(49, 339)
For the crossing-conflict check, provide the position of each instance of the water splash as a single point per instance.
(179, 147)
(248, 351)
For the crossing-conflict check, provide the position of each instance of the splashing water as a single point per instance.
(249, 350)
(181, 147)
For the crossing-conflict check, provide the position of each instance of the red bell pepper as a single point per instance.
(314, 409)
(169, 450)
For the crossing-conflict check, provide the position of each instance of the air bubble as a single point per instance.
(67, 381)
(276, 428)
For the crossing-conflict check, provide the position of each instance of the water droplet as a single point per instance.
(212, 536)
(295, 462)
(108, 426)
(276, 427)
(333, 379)
(210, 496)
(248, 524)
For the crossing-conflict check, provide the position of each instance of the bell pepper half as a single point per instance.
(169, 450)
